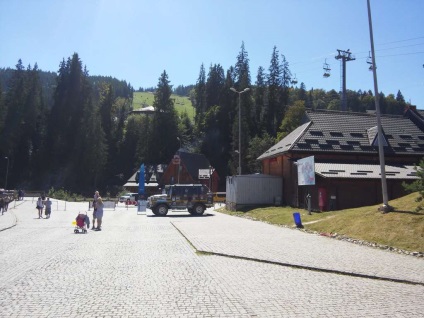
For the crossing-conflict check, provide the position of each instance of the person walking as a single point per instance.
(6, 202)
(48, 208)
(40, 207)
(96, 196)
(99, 213)
(2, 205)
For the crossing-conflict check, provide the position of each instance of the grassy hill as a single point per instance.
(402, 228)
(181, 103)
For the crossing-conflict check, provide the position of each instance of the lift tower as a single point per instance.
(344, 56)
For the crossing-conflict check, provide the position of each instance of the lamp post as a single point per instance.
(7, 172)
(239, 122)
(386, 207)
(179, 161)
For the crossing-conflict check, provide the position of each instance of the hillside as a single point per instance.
(182, 103)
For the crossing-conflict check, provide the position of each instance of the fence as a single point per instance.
(106, 205)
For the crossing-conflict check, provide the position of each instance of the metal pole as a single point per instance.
(344, 97)
(179, 161)
(7, 172)
(239, 122)
(239, 155)
(385, 208)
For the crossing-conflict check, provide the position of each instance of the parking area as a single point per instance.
(142, 265)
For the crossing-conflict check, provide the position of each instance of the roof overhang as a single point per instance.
(133, 184)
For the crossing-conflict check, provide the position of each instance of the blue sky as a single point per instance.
(136, 40)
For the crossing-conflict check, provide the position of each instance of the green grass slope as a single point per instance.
(403, 228)
(182, 103)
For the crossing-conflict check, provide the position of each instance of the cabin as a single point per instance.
(190, 168)
(344, 147)
(184, 168)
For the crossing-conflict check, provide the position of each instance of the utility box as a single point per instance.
(253, 190)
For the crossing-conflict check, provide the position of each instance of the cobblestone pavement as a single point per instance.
(142, 266)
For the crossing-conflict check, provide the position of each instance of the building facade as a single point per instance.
(345, 150)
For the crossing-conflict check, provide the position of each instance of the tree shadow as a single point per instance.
(408, 212)
(180, 216)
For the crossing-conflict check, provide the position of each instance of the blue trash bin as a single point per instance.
(297, 220)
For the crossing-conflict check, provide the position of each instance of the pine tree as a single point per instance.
(274, 93)
(2, 109)
(200, 95)
(241, 69)
(214, 85)
(284, 90)
(258, 114)
(14, 107)
(163, 141)
(75, 135)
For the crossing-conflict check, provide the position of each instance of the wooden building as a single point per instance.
(347, 167)
(193, 169)
(188, 168)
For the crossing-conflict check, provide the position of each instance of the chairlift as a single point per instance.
(369, 61)
(327, 69)
(294, 80)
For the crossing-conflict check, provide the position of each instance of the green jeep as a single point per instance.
(192, 197)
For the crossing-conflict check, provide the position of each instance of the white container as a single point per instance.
(252, 189)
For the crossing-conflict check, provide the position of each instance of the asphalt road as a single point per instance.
(216, 265)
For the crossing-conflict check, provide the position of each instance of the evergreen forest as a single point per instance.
(69, 130)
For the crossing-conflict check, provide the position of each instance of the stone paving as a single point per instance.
(141, 265)
(232, 236)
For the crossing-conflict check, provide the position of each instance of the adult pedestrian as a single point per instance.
(48, 208)
(95, 198)
(7, 200)
(99, 213)
(2, 205)
(40, 207)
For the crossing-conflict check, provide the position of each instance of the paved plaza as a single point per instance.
(141, 265)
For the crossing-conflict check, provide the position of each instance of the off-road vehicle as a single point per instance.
(192, 197)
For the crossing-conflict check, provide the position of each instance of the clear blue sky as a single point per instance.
(135, 40)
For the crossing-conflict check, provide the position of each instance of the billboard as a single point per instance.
(306, 171)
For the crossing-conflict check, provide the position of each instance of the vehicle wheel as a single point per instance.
(162, 210)
(75, 231)
(198, 209)
(154, 211)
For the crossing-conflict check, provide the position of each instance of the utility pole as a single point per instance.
(239, 124)
(386, 207)
(344, 56)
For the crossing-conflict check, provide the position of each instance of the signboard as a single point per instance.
(306, 171)
(204, 173)
(142, 205)
(141, 180)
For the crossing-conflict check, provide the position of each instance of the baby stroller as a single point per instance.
(82, 223)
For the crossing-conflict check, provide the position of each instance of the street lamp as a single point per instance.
(239, 107)
(179, 161)
(7, 172)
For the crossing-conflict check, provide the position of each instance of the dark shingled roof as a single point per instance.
(193, 162)
(346, 132)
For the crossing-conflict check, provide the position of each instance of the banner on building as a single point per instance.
(306, 171)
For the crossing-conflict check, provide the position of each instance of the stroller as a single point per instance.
(82, 223)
